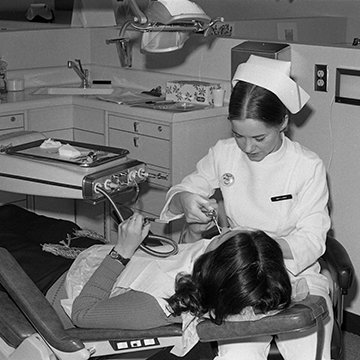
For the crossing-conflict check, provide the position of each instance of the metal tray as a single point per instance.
(92, 155)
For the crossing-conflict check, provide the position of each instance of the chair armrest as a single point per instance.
(14, 327)
(337, 261)
(44, 319)
(34, 305)
(299, 316)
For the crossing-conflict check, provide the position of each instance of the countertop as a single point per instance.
(27, 100)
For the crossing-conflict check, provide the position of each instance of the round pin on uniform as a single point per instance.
(228, 179)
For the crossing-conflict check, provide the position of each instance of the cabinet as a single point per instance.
(10, 123)
(53, 121)
(170, 145)
(78, 123)
(89, 125)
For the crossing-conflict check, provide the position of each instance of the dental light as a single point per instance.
(165, 26)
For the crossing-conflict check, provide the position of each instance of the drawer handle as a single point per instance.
(160, 128)
(136, 126)
(136, 141)
(13, 118)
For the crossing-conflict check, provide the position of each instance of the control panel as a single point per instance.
(113, 180)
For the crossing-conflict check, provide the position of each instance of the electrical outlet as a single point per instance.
(321, 78)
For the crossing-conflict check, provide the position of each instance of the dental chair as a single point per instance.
(31, 329)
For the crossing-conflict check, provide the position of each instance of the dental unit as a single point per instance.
(95, 174)
(34, 171)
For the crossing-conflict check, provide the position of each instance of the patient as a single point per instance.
(224, 276)
(237, 271)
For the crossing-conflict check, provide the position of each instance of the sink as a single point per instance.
(61, 90)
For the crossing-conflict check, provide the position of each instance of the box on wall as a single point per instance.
(191, 91)
(241, 52)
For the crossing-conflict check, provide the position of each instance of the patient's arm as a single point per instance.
(131, 310)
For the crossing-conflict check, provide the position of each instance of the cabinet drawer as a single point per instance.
(89, 137)
(11, 121)
(144, 148)
(139, 127)
(51, 118)
(89, 119)
(66, 134)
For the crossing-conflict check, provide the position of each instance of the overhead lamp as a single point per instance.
(165, 26)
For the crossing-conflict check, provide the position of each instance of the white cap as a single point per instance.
(273, 75)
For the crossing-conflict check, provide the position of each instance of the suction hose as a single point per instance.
(144, 247)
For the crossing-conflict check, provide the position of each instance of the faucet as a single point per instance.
(82, 73)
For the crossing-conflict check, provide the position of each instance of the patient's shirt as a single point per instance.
(144, 273)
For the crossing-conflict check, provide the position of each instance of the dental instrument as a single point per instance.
(213, 215)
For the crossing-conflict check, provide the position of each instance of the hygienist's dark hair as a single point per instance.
(245, 270)
(249, 101)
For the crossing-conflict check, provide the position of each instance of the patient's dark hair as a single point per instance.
(245, 270)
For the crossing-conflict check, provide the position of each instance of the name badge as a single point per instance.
(281, 197)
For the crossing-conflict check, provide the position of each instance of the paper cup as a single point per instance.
(218, 96)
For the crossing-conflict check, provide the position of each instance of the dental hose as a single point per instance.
(144, 247)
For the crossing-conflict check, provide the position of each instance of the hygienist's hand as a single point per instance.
(196, 206)
(131, 233)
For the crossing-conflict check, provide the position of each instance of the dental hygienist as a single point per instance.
(268, 182)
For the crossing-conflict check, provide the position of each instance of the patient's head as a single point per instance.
(247, 269)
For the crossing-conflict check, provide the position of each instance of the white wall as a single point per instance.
(22, 5)
(329, 128)
(273, 9)
(288, 10)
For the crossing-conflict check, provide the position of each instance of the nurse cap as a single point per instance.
(273, 75)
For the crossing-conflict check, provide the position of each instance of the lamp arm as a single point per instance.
(139, 17)
(211, 24)
(195, 27)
